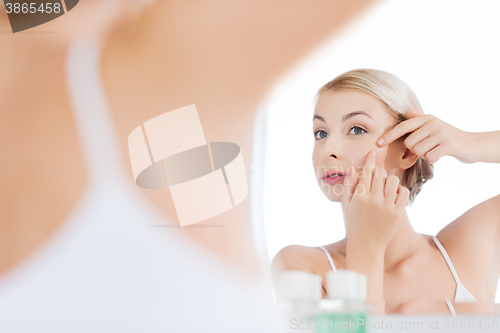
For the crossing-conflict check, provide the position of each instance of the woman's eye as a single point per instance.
(357, 127)
(320, 132)
(316, 134)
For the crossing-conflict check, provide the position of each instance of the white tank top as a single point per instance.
(106, 269)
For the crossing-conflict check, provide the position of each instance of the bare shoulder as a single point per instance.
(295, 257)
(473, 242)
(479, 227)
(310, 259)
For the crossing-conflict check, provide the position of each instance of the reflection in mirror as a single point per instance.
(428, 254)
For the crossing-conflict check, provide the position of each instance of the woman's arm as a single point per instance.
(432, 138)
(372, 209)
(369, 261)
(485, 147)
(481, 223)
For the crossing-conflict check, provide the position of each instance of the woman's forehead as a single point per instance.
(334, 106)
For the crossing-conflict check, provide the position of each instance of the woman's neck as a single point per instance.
(404, 244)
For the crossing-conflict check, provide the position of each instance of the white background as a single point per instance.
(448, 53)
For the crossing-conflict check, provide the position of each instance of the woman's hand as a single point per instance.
(431, 138)
(372, 206)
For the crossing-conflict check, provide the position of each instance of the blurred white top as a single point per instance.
(106, 269)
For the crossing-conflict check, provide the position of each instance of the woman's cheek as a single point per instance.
(316, 163)
(360, 159)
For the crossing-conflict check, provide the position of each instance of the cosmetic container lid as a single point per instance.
(346, 285)
(297, 285)
(362, 284)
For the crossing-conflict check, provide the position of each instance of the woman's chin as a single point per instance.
(335, 198)
(333, 192)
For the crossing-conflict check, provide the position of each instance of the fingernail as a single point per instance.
(373, 153)
(381, 142)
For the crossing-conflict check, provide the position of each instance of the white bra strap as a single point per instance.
(93, 120)
(450, 307)
(448, 260)
(329, 259)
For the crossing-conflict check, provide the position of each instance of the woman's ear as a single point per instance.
(408, 159)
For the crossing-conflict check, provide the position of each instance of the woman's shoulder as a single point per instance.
(478, 225)
(294, 257)
(302, 257)
(472, 241)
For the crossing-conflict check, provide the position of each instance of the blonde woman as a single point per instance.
(374, 149)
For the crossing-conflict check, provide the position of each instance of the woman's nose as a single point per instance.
(329, 152)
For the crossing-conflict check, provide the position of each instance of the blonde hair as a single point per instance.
(399, 98)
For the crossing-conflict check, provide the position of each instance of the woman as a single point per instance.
(364, 111)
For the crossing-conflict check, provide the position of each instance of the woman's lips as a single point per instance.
(334, 180)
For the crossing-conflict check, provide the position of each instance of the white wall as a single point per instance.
(452, 64)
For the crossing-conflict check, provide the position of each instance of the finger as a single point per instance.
(365, 179)
(414, 113)
(401, 129)
(416, 137)
(435, 154)
(428, 129)
(349, 183)
(353, 179)
(403, 195)
(424, 147)
(391, 188)
(378, 183)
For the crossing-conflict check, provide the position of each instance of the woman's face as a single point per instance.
(346, 127)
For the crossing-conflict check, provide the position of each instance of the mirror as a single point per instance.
(453, 70)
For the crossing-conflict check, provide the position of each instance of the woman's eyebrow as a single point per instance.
(347, 116)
